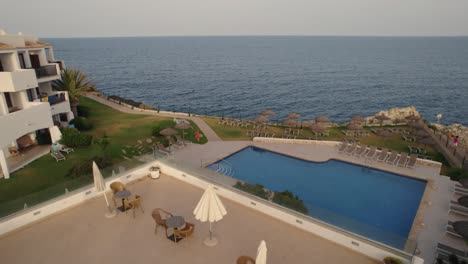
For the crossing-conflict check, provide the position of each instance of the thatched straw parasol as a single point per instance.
(464, 182)
(183, 126)
(384, 133)
(261, 119)
(168, 132)
(267, 112)
(307, 123)
(294, 116)
(322, 119)
(420, 133)
(317, 128)
(412, 118)
(382, 118)
(358, 119)
(354, 126)
(426, 141)
(461, 228)
(290, 123)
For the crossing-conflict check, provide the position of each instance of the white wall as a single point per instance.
(18, 80)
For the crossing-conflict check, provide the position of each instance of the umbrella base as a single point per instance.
(210, 242)
(111, 214)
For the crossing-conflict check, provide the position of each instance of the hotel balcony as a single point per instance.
(59, 102)
(18, 80)
(48, 72)
(35, 116)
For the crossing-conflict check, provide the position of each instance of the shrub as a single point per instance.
(392, 260)
(155, 130)
(83, 111)
(81, 123)
(255, 189)
(456, 174)
(288, 200)
(85, 167)
(71, 137)
(43, 138)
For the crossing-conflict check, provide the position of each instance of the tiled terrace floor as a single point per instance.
(83, 235)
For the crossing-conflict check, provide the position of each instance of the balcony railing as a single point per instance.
(46, 71)
(54, 98)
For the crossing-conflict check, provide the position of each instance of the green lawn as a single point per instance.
(45, 178)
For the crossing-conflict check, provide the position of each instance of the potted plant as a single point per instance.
(392, 260)
(154, 172)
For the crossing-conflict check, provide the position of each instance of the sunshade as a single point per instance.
(183, 126)
(322, 119)
(290, 123)
(261, 253)
(100, 186)
(461, 227)
(211, 209)
(261, 119)
(294, 116)
(168, 132)
(354, 126)
(267, 112)
(317, 128)
(464, 182)
(463, 200)
(55, 134)
(358, 119)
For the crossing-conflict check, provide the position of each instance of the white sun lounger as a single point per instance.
(403, 160)
(383, 155)
(371, 153)
(392, 158)
(458, 209)
(412, 161)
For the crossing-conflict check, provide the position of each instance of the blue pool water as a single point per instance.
(372, 203)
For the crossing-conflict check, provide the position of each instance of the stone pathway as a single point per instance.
(209, 133)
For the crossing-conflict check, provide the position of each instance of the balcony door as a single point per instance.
(35, 63)
(21, 61)
(1, 66)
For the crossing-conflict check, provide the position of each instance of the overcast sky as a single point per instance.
(93, 18)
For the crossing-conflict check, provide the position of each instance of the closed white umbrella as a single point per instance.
(211, 209)
(261, 253)
(55, 134)
(100, 185)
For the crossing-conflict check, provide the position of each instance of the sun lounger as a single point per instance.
(349, 150)
(461, 191)
(383, 155)
(65, 149)
(371, 153)
(412, 149)
(403, 160)
(184, 141)
(172, 142)
(342, 147)
(360, 151)
(412, 161)
(57, 155)
(448, 250)
(392, 158)
(163, 149)
(458, 208)
(449, 229)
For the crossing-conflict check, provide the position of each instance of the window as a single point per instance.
(30, 95)
(8, 100)
(63, 118)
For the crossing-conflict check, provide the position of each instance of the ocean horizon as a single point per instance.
(238, 76)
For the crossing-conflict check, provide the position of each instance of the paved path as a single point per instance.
(209, 133)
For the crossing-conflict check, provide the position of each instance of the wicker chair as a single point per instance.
(159, 219)
(245, 260)
(116, 187)
(136, 204)
(186, 232)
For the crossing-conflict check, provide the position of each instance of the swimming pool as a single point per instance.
(369, 202)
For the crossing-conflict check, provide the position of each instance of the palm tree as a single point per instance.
(76, 83)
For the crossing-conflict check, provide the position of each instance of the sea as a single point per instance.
(235, 76)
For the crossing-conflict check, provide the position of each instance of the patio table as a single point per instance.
(122, 195)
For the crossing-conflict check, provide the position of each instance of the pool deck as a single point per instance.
(429, 224)
(83, 235)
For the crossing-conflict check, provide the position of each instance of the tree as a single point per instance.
(76, 83)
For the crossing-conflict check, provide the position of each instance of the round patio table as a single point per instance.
(122, 195)
(175, 221)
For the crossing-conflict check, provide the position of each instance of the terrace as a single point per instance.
(84, 235)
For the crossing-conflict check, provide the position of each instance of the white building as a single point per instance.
(28, 105)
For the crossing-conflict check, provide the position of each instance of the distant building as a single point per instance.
(29, 108)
